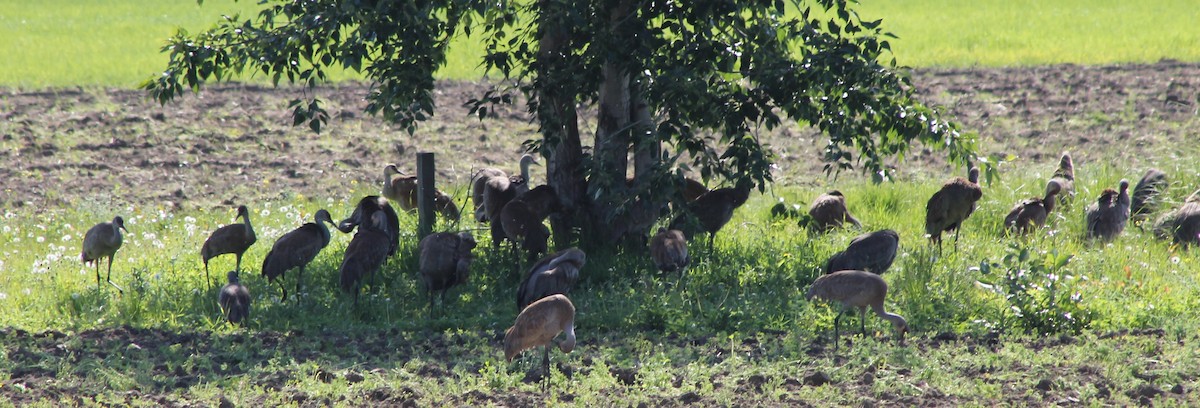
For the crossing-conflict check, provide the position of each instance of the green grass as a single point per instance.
(115, 43)
(739, 313)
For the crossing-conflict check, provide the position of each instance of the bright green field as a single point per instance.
(115, 43)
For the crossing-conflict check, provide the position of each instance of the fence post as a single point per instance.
(425, 189)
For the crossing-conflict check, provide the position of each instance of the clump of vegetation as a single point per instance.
(1043, 295)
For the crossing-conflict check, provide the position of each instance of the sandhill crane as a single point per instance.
(1031, 213)
(1145, 195)
(102, 241)
(692, 190)
(234, 300)
(858, 289)
(498, 191)
(478, 184)
(873, 252)
(951, 205)
(366, 207)
(402, 189)
(445, 262)
(711, 211)
(669, 250)
(520, 220)
(1106, 218)
(1065, 176)
(365, 254)
(1183, 224)
(537, 325)
(829, 211)
(553, 274)
(230, 239)
(296, 249)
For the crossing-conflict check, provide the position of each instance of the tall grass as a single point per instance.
(59, 43)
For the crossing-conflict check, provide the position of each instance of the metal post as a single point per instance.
(425, 189)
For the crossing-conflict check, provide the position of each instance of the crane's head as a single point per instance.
(119, 223)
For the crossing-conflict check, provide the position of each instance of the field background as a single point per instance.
(58, 43)
(81, 146)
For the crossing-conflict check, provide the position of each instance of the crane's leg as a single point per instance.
(862, 321)
(545, 366)
(207, 280)
(299, 280)
(97, 263)
(836, 325)
(282, 291)
(431, 304)
(109, 278)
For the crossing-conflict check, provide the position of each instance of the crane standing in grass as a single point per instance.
(367, 206)
(230, 239)
(873, 252)
(1146, 194)
(297, 249)
(857, 289)
(102, 241)
(445, 262)
(1031, 213)
(537, 325)
(669, 251)
(234, 300)
(365, 254)
(951, 205)
(711, 211)
(829, 211)
(1106, 218)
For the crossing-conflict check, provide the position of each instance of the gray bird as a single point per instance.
(230, 239)
(669, 250)
(234, 300)
(555, 273)
(362, 214)
(1065, 177)
(1182, 225)
(537, 325)
(365, 253)
(521, 220)
(951, 205)
(102, 241)
(829, 211)
(873, 252)
(296, 249)
(856, 289)
(1146, 194)
(1106, 218)
(498, 191)
(478, 184)
(402, 190)
(445, 262)
(1031, 213)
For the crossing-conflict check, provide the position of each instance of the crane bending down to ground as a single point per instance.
(537, 325)
(857, 289)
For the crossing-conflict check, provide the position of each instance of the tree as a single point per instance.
(702, 77)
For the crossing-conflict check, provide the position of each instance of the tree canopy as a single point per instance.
(696, 79)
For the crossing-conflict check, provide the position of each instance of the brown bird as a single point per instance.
(553, 274)
(692, 190)
(711, 211)
(520, 220)
(951, 205)
(669, 250)
(402, 189)
(102, 241)
(498, 191)
(1183, 224)
(362, 213)
(1106, 218)
(230, 239)
(537, 325)
(445, 262)
(365, 254)
(478, 184)
(858, 289)
(829, 211)
(1145, 195)
(1031, 213)
(296, 249)
(872, 252)
(234, 300)
(1065, 176)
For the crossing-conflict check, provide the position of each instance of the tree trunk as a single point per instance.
(560, 125)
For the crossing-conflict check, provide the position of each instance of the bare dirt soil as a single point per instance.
(228, 142)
